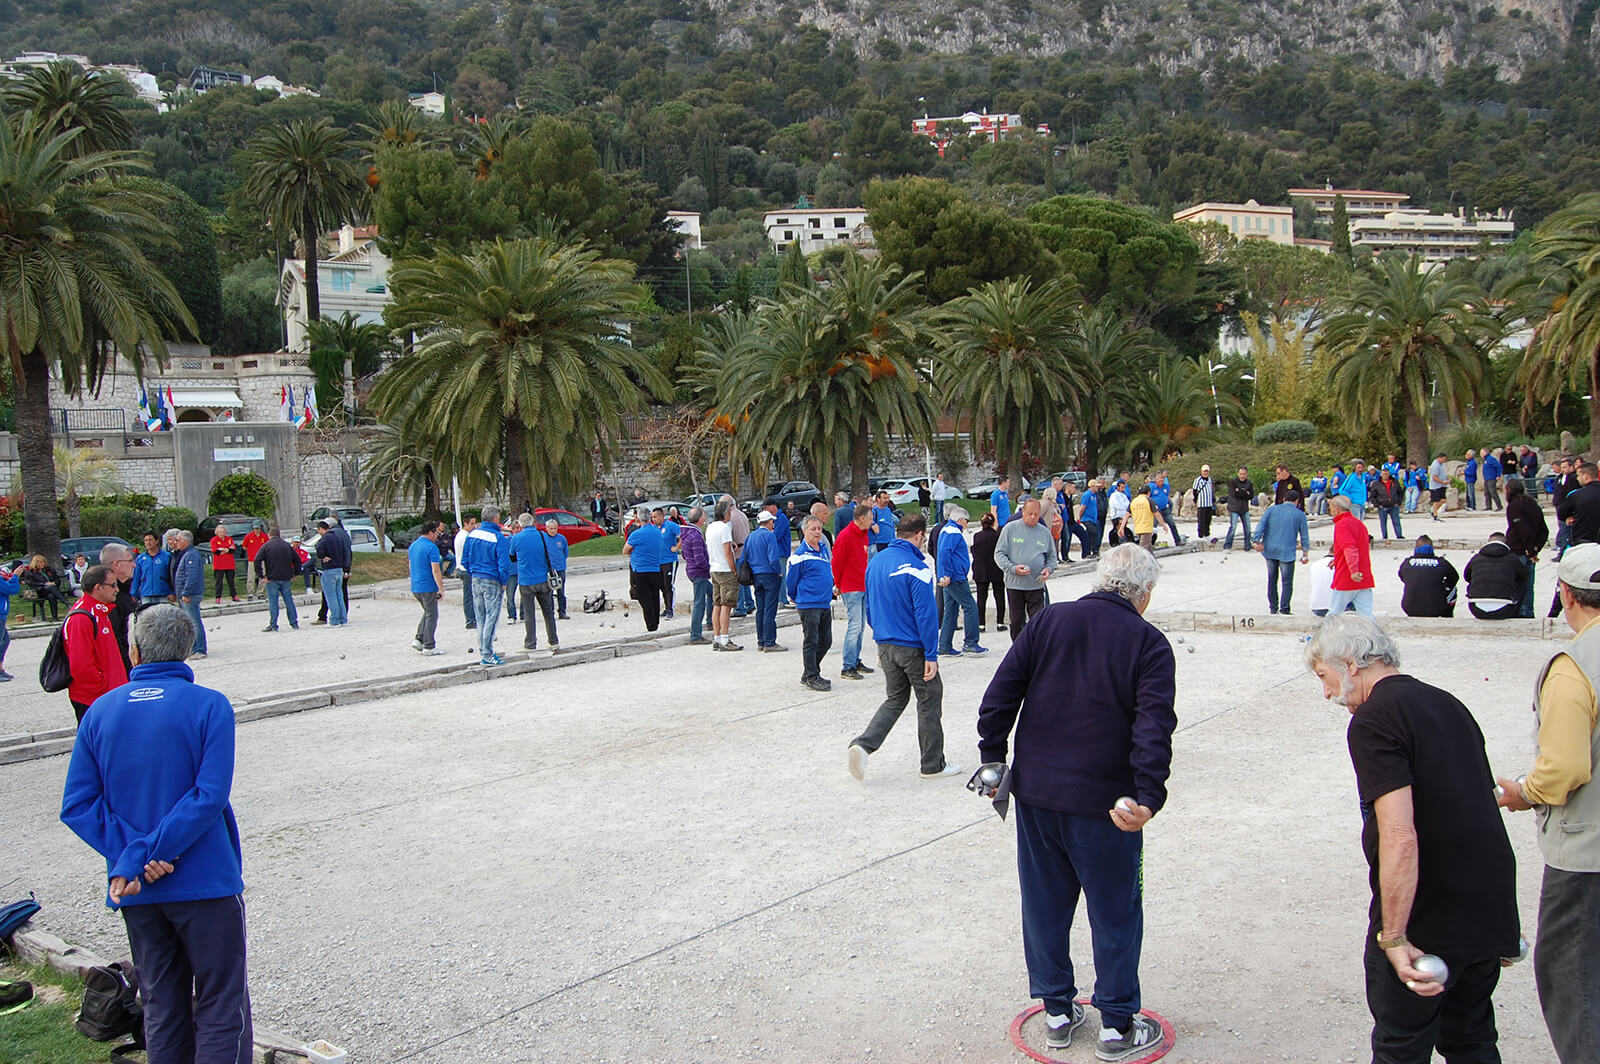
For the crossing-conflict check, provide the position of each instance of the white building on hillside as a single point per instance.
(1358, 202)
(427, 102)
(354, 279)
(1246, 221)
(687, 224)
(816, 229)
(1435, 237)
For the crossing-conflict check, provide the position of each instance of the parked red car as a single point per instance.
(570, 526)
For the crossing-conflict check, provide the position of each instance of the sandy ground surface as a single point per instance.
(662, 857)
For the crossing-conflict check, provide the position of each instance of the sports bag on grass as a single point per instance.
(55, 671)
(111, 1006)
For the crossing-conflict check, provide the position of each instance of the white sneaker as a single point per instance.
(858, 761)
(416, 644)
(432, 653)
(948, 770)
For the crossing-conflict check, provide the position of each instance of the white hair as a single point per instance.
(1352, 639)
(1129, 571)
(953, 512)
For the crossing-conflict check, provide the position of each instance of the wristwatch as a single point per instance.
(1390, 943)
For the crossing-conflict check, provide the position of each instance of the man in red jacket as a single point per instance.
(223, 563)
(1352, 560)
(253, 541)
(92, 650)
(850, 577)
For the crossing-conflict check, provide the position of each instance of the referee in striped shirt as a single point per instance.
(1205, 501)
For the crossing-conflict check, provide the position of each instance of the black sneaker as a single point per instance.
(1141, 1039)
(863, 667)
(817, 683)
(851, 674)
(1060, 1029)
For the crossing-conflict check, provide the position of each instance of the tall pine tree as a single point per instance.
(1341, 229)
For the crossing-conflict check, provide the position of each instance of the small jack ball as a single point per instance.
(1190, 649)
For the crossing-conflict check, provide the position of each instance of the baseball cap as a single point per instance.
(1580, 567)
(765, 517)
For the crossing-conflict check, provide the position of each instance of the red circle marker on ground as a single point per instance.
(1170, 1036)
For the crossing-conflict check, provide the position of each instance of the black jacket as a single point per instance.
(1289, 483)
(1240, 494)
(333, 549)
(1583, 505)
(1565, 486)
(1430, 586)
(983, 566)
(277, 560)
(1390, 494)
(1526, 530)
(1496, 573)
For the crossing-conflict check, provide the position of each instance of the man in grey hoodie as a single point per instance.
(1023, 553)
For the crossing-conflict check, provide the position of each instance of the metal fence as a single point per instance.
(106, 419)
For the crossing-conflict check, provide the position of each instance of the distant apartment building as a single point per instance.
(816, 229)
(1358, 202)
(142, 82)
(206, 78)
(354, 278)
(1245, 221)
(977, 124)
(687, 226)
(277, 85)
(1434, 237)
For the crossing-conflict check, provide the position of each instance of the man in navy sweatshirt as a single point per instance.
(905, 623)
(148, 788)
(1089, 686)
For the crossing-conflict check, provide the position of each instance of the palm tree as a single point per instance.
(60, 97)
(519, 365)
(1004, 365)
(1405, 337)
(1170, 411)
(300, 177)
(79, 472)
(397, 470)
(485, 143)
(831, 366)
(1111, 358)
(74, 289)
(1562, 301)
(338, 345)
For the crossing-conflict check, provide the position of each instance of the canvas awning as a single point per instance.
(207, 397)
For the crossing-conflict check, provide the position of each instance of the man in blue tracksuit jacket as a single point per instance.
(1090, 687)
(534, 553)
(809, 584)
(1354, 488)
(189, 584)
(905, 624)
(148, 788)
(953, 568)
(10, 585)
(152, 579)
(765, 556)
(487, 556)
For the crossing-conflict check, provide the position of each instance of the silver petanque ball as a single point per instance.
(1125, 804)
(989, 777)
(1180, 639)
(1190, 648)
(1432, 967)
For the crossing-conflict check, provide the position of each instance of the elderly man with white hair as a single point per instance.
(1089, 686)
(1444, 880)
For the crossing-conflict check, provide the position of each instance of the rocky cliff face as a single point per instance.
(1418, 38)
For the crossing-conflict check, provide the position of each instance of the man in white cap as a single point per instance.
(1560, 787)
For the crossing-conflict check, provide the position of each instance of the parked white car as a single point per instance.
(903, 492)
(992, 485)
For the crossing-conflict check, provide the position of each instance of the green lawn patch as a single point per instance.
(372, 568)
(43, 1032)
(598, 547)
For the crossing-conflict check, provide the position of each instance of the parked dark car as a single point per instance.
(88, 546)
(800, 492)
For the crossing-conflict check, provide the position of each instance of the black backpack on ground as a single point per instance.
(55, 671)
(595, 603)
(111, 1007)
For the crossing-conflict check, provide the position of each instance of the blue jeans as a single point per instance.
(192, 608)
(1234, 520)
(855, 611)
(1472, 494)
(702, 606)
(1413, 496)
(1279, 575)
(486, 596)
(1172, 526)
(1385, 515)
(5, 640)
(333, 590)
(1362, 600)
(746, 603)
(277, 589)
(1061, 858)
(958, 596)
(768, 591)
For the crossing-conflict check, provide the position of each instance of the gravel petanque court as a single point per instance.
(661, 856)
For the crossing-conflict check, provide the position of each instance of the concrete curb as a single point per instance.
(1299, 624)
(37, 946)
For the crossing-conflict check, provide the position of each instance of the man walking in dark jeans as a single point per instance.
(334, 552)
(905, 624)
(809, 583)
(148, 788)
(1089, 686)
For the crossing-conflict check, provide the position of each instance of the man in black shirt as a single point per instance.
(1430, 583)
(1442, 872)
(1497, 581)
(1583, 506)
